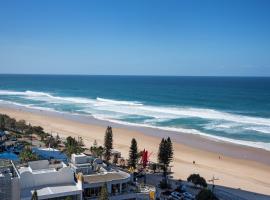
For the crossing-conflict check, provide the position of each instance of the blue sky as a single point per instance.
(136, 37)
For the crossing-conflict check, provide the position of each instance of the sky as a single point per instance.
(136, 37)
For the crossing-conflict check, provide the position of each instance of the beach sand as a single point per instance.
(232, 171)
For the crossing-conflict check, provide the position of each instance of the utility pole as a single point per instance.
(213, 182)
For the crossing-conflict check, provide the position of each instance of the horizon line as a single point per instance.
(136, 75)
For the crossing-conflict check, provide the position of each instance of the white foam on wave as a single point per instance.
(261, 145)
(31, 106)
(137, 108)
(207, 114)
(261, 129)
(117, 102)
(110, 109)
(43, 96)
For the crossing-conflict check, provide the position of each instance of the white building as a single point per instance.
(96, 174)
(6, 175)
(51, 181)
(83, 179)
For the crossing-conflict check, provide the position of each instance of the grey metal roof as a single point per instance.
(105, 177)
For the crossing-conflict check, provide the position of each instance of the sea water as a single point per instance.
(232, 109)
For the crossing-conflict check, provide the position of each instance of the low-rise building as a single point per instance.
(95, 174)
(7, 176)
(51, 181)
(82, 179)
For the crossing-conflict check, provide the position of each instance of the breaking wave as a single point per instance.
(141, 114)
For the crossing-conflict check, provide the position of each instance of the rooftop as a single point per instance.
(41, 166)
(106, 177)
(47, 179)
(51, 191)
(49, 153)
(95, 171)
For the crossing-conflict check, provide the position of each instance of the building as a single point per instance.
(6, 176)
(95, 174)
(52, 181)
(82, 179)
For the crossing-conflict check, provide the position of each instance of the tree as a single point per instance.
(7, 123)
(133, 154)
(115, 159)
(29, 130)
(21, 126)
(165, 155)
(34, 196)
(169, 150)
(97, 151)
(72, 146)
(104, 193)
(108, 143)
(10, 123)
(196, 179)
(27, 155)
(2, 122)
(206, 194)
(52, 142)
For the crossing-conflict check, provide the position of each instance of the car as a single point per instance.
(176, 195)
(188, 195)
(182, 188)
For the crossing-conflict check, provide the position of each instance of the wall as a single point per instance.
(64, 175)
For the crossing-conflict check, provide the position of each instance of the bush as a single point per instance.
(206, 194)
(27, 155)
(196, 179)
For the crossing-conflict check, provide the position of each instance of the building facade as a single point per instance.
(95, 174)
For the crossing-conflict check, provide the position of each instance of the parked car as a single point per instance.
(183, 188)
(188, 195)
(177, 195)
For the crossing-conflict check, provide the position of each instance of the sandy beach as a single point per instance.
(234, 170)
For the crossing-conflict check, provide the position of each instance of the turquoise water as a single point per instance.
(227, 108)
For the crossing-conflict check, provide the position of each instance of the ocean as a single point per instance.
(231, 109)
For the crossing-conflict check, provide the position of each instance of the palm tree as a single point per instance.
(97, 151)
(72, 146)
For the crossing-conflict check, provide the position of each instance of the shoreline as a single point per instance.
(201, 142)
(239, 167)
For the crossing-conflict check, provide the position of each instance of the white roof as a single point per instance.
(51, 191)
(79, 155)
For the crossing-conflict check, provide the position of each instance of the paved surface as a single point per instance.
(223, 193)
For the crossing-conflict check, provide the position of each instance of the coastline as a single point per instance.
(239, 167)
